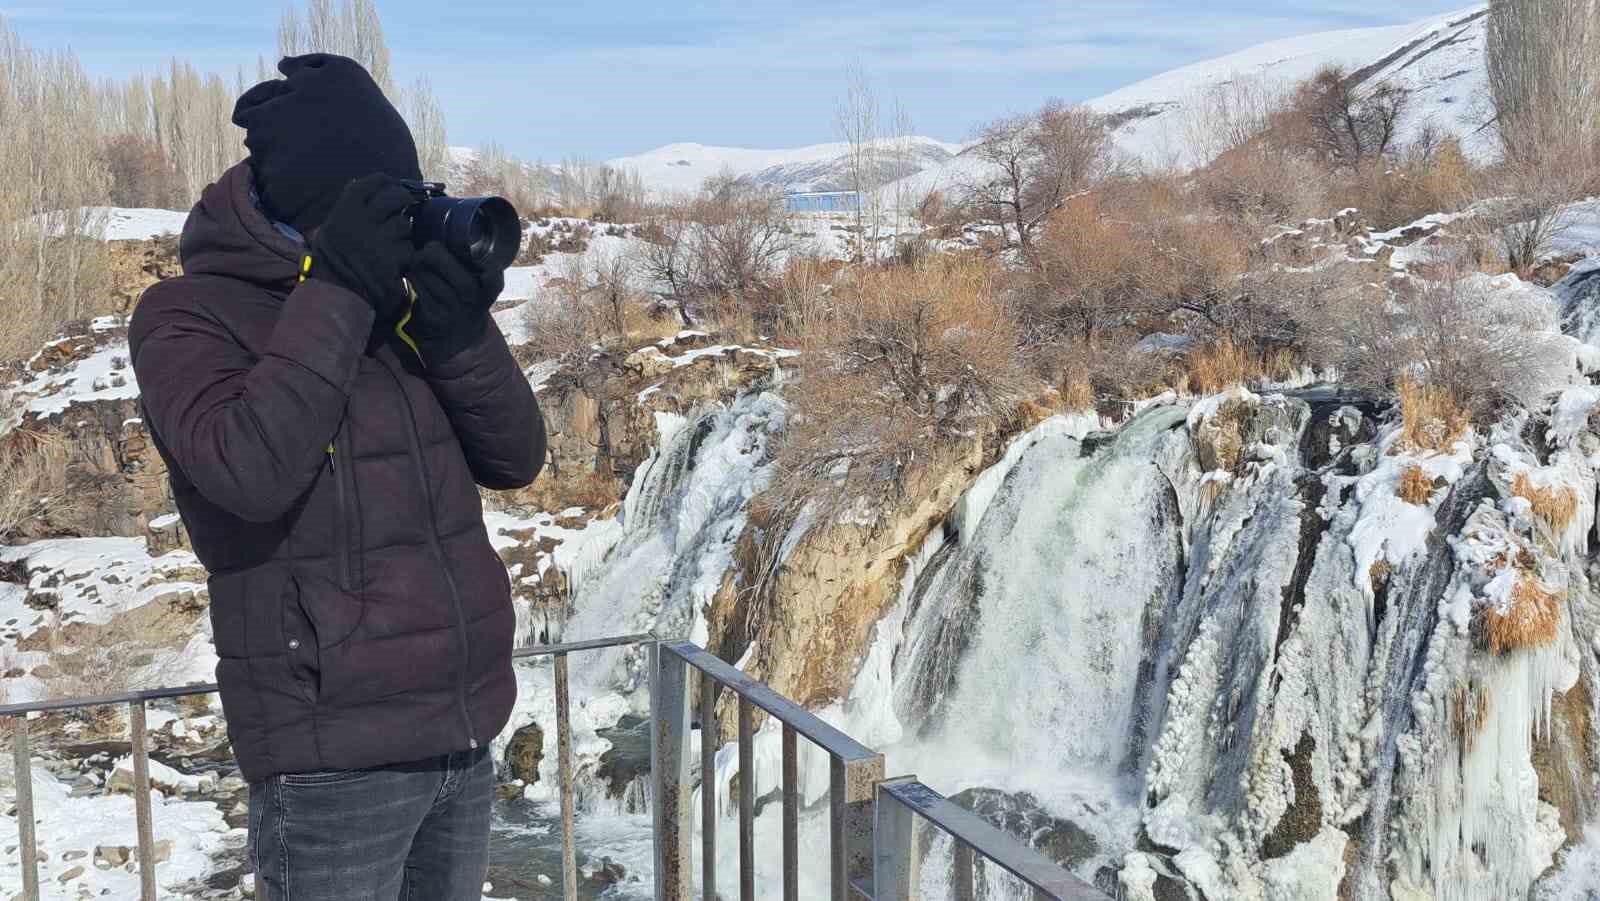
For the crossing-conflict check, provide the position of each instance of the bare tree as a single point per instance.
(426, 119)
(856, 116)
(1343, 122)
(1543, 59)
(739, 246)
(1228, 116)
(1035, 162)
(903, 164)
(352, 28)
(51, 261)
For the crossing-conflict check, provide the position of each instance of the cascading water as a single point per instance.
(683, 514)
(1213, 649)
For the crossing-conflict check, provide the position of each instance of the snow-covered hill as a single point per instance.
(680, 168)
(1439, 60)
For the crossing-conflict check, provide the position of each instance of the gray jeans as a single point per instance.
(403, 832)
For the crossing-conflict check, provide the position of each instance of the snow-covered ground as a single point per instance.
(133, 224)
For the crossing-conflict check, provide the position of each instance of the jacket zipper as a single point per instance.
(438, 555)
(342, 526)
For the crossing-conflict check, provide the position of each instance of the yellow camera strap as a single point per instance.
(400, 327)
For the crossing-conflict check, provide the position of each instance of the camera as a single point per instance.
(482, 232)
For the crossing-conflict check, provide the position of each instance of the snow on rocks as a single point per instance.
(78, 369)
(83, 841)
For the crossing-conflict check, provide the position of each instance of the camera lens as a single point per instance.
(482, 232)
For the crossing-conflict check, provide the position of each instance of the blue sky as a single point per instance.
(613, 77)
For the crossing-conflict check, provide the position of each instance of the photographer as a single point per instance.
(328, 398)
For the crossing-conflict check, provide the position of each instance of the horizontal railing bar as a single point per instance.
(1003, 849)
(587, 644)
(127, 697)
(184, 691)
(836, 743)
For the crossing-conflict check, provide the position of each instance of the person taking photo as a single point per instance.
(328, 398)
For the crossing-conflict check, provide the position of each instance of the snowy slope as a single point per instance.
(681, 168)
(140, 224)
(1439, 60)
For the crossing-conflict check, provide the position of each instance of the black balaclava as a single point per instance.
(323, 125)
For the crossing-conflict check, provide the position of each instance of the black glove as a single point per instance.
(452, 307)
(365, 244)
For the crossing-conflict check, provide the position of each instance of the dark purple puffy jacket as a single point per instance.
(360, 614)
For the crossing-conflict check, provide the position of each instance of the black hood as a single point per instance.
(227, 234)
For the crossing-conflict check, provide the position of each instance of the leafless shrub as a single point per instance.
(1229, 116)
(903, 362)
(667, 258)
(1084, 275)
(140, 175)
(727, 246)
(562, 320)
(1534, 193)
(1459, 337)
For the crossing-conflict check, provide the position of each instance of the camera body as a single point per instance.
(484, 233)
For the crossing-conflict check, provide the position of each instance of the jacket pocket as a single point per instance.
(323, 777)
(300, 648)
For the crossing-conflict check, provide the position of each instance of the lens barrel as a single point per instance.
(482, 232)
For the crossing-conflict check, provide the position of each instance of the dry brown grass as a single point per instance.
(1077, 395)
(1415, 487)
(1220, 366)
(33, 476)
(1432, 418)
(646, 324)
(1531, 621)
(1430, 178)
(1557, 505)
(1378, 574)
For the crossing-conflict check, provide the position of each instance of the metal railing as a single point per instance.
(872, 819)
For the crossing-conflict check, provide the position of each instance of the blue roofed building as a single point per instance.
(821, 201)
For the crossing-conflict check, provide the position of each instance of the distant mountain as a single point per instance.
(678, 168)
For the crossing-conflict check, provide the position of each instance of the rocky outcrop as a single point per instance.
(524, 753)
(815, 617)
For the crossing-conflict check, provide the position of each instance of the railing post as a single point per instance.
(963, 879)
(747, 801)
(141, 801)
(851, 801)
(669, 764)
(709, 737)
(791, 815)
(27, 841)
(569, 852)
(897, 868)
